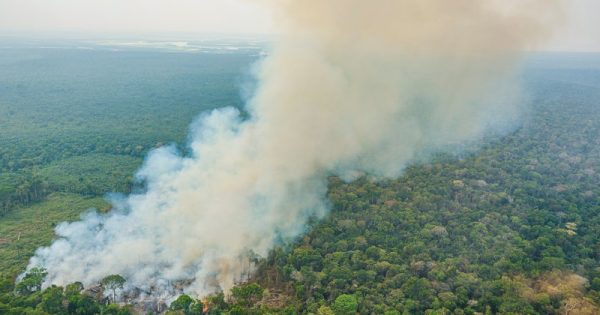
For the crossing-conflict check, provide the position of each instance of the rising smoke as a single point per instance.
(350, 87)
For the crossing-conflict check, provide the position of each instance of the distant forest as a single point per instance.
(82, 122)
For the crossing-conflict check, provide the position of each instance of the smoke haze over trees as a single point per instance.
(350, 87)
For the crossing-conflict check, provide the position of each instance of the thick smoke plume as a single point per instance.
(351, 87)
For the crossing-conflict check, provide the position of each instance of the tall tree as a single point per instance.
(113, 283)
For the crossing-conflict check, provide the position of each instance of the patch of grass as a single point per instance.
(91, 174)
(25, 229)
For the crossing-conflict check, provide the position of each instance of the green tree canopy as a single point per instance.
(32, 281)
(183, 302)
(113, 283)
(247, 294)
(345, 304)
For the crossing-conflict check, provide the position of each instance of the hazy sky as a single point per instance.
(134, 16)
(582, 32)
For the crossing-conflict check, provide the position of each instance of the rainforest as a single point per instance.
(507, 226)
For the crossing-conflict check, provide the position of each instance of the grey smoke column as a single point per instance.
(351, 86)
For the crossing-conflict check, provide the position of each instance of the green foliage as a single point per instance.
(248, 294)
(79, 134)
(55, 300)
(345, 304)
(324, 310)
(183, 302)
(32, 281)
(114, 309)
(52, 300)
(113, 283)
(6, 284)
(476, 232)
(77, 118)
(187, 305)
(217, 304)
(91, 174)
(196, 308)
(596, 284)
(462, 234)
(73, 289)
(83, 304)
(24, 230)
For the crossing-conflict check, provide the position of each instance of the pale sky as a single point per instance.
(135, 16)
(581, 32)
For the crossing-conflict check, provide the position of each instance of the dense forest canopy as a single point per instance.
(111, 105)
(508, 228)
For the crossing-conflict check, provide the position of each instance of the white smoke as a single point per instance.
(351, 86)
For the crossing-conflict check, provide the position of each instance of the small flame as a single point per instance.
(205, 306)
